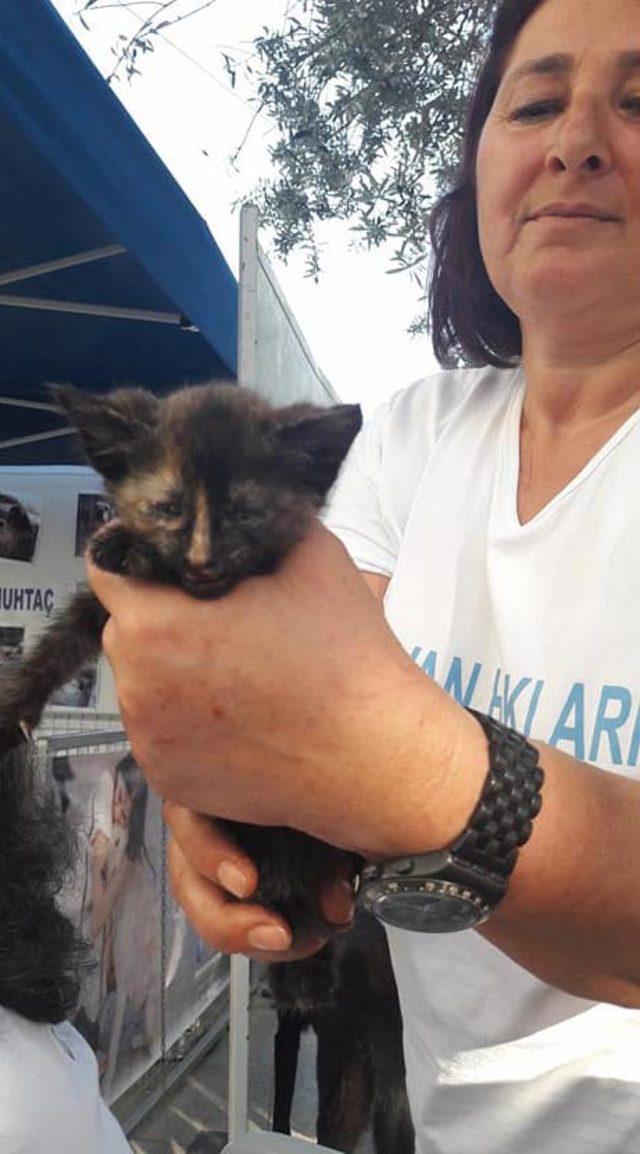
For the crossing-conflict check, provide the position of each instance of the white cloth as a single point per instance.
(537, 625)
(49, 1097)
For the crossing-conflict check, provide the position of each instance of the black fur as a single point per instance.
(291, 867)
(211, 486)
(40, 954)
(347, 994)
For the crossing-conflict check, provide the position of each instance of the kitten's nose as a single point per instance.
(199, 571)
(198, 554)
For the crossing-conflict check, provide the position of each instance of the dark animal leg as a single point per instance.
(68, 643)
(286, 1049)
(392, 1126)
(345, 1084)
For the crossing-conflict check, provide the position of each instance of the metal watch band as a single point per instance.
(511, 798)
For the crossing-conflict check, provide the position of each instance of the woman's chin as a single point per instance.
(564, 287)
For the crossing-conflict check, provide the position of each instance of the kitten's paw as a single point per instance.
(109, 548)
(117, 550)
(142, 562)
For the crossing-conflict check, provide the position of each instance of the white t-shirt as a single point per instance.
(49, 1097)
(538, 625)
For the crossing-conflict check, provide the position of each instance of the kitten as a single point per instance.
(211, 485)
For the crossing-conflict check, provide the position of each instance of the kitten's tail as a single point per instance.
(72, 640)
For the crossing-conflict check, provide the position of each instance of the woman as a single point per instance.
(49, 1098)
(496, 511)
(124, 908)
(117, 877)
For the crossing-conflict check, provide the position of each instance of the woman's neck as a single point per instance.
(580, 383)
(575, 400)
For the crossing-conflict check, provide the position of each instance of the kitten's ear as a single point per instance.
(317, 441)
(112, 427)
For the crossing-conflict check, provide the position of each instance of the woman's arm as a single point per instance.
(290, 702)
(570, 915)
(548, 950)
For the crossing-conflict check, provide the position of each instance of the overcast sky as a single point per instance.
(355, 319)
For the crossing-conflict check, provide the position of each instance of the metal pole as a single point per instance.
(238, 1047)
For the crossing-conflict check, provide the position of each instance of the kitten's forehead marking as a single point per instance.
(199, 551)
(155, 486)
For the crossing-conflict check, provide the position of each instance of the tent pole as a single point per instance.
(20, 274)
(59, 306)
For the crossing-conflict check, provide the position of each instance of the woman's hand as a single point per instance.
(289, 702)
(209, 874)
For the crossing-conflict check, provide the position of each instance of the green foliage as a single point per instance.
(369, 100)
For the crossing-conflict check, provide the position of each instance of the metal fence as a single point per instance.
(78, 721)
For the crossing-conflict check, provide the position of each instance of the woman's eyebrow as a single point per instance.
(557, 64)
(561, 63)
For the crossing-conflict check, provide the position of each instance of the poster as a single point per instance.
(47, 515)
(93, 511)
(19, 527)
(139, 937)
(79, 693)
(115, 898)
(11, 644)
(196, 975)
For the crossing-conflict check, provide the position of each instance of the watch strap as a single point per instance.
(511, 798)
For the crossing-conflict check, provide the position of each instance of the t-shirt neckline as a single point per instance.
(509, 462)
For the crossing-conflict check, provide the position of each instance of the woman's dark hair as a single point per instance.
(135, 785)
(468, 318)
(41, 955)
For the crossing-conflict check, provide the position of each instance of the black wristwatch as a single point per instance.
(457, 887)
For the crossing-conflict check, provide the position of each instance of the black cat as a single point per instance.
(347, 994)
(212, 485)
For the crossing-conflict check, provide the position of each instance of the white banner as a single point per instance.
(47, 515)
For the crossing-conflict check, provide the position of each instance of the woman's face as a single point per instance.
(558, 168)
(122, 801)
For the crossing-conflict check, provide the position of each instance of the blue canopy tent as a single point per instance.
(107, 273)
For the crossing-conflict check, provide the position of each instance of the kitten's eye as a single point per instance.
(243, 514)
(168, 510)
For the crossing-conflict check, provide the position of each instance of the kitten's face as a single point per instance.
(220, 484)
(212, 503)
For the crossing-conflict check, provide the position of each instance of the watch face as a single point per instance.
(442, 913)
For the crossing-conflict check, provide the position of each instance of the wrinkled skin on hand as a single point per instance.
(287, 702)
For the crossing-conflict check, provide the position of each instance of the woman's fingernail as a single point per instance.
(269, 938)
(232, 879)
(338, 905)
